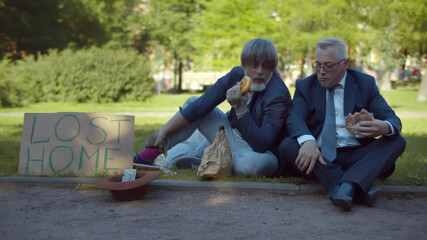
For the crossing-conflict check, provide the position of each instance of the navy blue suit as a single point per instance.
(361, 165)
(264, 126)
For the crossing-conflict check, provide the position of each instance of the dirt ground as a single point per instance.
(42, 212)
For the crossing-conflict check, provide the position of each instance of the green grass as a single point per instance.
(404, 101)
(10, 141)
(400, 100)
(159, 103)
(411, 166)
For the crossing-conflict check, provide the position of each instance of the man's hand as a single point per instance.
(237, 101)
(156, 140)
(308, 155)
(372, 128)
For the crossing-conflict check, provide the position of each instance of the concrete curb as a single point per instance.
(190, 185)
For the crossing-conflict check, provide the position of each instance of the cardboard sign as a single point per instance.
(78, 143)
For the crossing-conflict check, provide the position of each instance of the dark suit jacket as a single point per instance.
(308, 106)
(264, 126)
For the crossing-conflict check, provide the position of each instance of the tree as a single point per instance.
(36, 26)
(412, 25)
(170, 24)
(293, 25)
(303, 23)
(422, 94)
(399, 31)
(223, 27)
(123, 21)
(386, 48)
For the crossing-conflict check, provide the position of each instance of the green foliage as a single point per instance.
(92, 75)
(122, 21)
(294, 26)
(170, 24)
(223, 27)
(10, 91)
(412, 25)
(10, 139)
(411, 167)
(38, 25)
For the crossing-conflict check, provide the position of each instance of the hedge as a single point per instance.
(91, 75)
(10, 91)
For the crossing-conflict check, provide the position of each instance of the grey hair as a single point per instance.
(338, 43)
(259, 49)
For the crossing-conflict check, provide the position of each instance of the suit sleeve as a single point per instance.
(298, 114)
(381, 110)
(212, 97)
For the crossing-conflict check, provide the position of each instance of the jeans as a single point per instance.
(193, 139)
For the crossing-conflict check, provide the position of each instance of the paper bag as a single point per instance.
(216, 160)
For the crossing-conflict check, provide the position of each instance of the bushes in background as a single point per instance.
(11, 92)
(92, 75)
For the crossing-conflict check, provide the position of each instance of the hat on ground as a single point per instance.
(126, 191)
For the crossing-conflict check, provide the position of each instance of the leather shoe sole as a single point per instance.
(372, 196)
(343, 197)
(343, 203)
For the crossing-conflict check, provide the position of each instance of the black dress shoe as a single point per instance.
(137, 159)
(372, 196)
(332, 192)
(344, 197)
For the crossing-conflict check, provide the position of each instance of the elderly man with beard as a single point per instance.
(254, 125)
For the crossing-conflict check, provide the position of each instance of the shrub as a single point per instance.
(11, 92)
(91, 75)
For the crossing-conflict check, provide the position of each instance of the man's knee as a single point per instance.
(288, 148)
(402, 143)
(398, 143)
(255, 165)
(288, 152)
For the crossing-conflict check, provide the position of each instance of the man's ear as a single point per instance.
(346, 61)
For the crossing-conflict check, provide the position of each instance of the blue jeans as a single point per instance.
(193, 139)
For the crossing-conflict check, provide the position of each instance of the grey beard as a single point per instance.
(259, 87)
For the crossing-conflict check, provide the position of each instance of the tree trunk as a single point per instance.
(180, 75)
(302, 73)
(175, 88)
(385, 84)
(422, 93)
(309, 70)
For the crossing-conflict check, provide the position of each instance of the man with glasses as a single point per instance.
(320, 147)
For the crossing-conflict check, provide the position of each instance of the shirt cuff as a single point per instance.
(392, 129)
(303, 138)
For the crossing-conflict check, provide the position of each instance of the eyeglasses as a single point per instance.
(327, 67)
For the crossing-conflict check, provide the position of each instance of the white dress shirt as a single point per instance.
(344, 137)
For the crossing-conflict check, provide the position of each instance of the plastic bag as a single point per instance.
(217, 159)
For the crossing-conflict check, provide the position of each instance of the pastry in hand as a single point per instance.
(352, 120)
(245, 84)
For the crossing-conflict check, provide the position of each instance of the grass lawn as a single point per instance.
(411, 166)
(399, 100)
